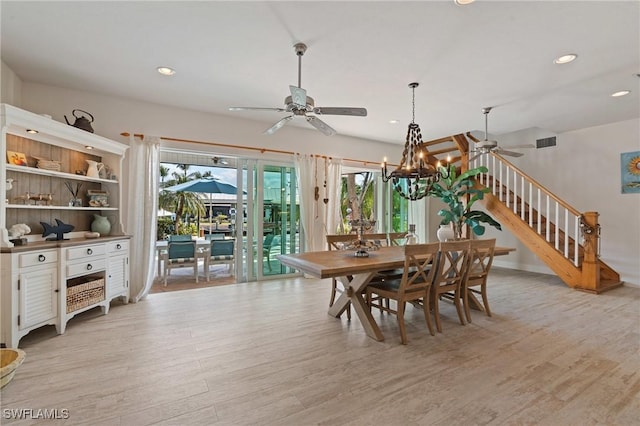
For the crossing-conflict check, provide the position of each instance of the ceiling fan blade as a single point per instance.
(359, 112)
(476, 156)
(256, 109)
(271, 130)
(521, 146)
(298, 96)
(321, 125)
(509, 153)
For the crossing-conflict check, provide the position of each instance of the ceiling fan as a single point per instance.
(486, 146)
(299, 104)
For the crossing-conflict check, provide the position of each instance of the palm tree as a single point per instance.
(164, 172)
(181, 203)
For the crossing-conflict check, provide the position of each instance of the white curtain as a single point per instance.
(418, 216)
(317, 217)
(333, 213)
(141, 212)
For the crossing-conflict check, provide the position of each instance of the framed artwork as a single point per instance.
(630, 172)
(16, 158)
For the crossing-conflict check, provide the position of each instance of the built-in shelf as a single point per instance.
(41, 206)
(64, 175)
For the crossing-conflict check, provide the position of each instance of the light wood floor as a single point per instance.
(268, 354)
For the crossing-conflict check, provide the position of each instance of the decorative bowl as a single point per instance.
(10, 361)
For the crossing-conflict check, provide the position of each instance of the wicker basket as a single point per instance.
(81, 293)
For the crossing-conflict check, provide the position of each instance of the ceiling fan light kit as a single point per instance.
(416, 173)
(298, 104)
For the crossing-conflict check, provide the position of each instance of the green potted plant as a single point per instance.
(452, 190)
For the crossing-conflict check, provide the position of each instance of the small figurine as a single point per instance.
(59, 230)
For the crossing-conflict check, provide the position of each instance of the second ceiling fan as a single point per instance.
(301, 105)
(486, 146)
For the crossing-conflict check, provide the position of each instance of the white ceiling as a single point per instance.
(360, 54)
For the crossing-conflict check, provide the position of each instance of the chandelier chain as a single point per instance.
(413, 105)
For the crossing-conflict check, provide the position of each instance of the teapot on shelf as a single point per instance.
(81, 122)
(94, 168)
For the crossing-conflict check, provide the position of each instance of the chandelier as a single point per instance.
(413, 178)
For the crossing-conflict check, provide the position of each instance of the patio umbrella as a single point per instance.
(206, 186)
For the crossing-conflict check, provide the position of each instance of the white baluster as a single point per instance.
(566, 233)
(522, 203)
(557, 231)
(539, 206)
(576, 239)
(547, 215)
(530, 204)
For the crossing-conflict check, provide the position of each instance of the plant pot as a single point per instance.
(445, 233)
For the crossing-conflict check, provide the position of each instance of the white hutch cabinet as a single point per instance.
(47, 282)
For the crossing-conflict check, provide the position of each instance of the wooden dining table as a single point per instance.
(354, 273)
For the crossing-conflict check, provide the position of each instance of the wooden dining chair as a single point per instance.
(338, 242)
(413, 286)
(382, 240)
(396, 238)
(180, 254)
(453, 260)
(378, 238)
(480, 261)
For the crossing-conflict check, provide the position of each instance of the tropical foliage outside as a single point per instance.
(185, 205)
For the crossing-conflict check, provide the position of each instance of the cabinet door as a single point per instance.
(117, 276)
(38, 301)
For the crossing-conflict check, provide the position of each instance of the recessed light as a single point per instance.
(620, 93)
(393, 121)
(32, 131)
(463, 2)
(88, 147)
(565, 59)
(166, 71)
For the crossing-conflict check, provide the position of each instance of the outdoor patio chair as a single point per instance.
(221, 251)
(270, 241)
(180, 254)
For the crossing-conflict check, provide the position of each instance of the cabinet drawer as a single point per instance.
(86, 267)
(115, 247)
(85, 252)
(35, 258)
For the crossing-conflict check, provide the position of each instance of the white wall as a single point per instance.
(116, 115)
(11, 86)
(583, 169)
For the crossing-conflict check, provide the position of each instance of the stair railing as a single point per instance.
(529, 199)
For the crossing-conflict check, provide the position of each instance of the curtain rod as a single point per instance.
(251, 148)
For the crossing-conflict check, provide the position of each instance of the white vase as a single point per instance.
(445, 232)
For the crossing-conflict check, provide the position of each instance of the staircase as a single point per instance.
(547, 225)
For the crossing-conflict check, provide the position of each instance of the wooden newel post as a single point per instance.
(590, 266)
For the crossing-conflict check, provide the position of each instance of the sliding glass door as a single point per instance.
(272, 218)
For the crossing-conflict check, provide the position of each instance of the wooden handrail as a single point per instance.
(540, 186)
(533, 181)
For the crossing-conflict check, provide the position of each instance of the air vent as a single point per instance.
(546, 142)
